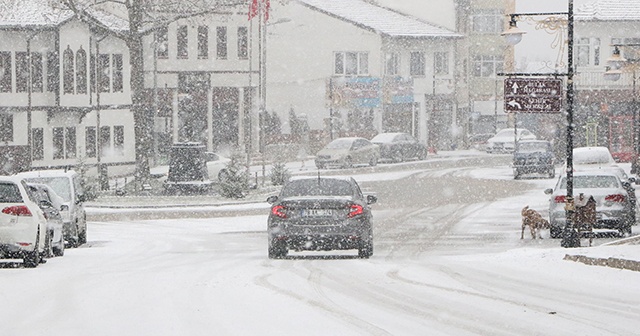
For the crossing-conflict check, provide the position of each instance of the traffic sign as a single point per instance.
(533, 95)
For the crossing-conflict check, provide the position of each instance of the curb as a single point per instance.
(630, 265)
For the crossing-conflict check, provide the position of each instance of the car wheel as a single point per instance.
(552, 173)
(278, 250)
(373, 161)
(555, 231)
(48, 245)
(516, 175)
(347, 163)
(82, 237)
(422, 155)
(32, 259)
(365, 250)
(72, 239)
(59, 251)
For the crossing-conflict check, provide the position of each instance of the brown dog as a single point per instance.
(534, 220)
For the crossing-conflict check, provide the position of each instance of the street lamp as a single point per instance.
(513, 35)
(615, 64)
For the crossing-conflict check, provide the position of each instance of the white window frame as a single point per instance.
(352, 63)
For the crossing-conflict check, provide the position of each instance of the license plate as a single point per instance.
(316, 213)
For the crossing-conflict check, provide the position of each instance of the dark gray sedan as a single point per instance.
(398, 147)
(320, 214)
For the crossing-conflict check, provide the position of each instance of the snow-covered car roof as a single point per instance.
(47, 173)
(592, 155)
(385, 137)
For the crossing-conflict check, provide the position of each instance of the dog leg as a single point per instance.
(522, 233)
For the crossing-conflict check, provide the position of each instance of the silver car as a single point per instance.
(320, 213)
(614, 209)
(347, 152)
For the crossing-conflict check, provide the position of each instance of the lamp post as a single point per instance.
(513, 35)
(615, 64)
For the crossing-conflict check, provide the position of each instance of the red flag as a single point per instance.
(254, 8)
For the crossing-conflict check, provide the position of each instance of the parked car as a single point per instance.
(320, 213)
(600, 159)
(188, 172)
(347, 152)
(613, 206)
(398, 147)
(504, 140)
(50, 204)
(22, 224)
(533, 157)
(68, 185)
(479, 141)
(216, 165)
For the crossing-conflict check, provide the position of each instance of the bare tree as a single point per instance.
(144, 18)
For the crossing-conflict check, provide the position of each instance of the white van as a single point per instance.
(68, 185)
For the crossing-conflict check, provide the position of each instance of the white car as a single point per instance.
(51, 204)
(23, 227)
(68, 185)
(504, 140)
(347, 152)
(216, 165)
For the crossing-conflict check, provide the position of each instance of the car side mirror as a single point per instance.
(548, 191)
(626, 184)
(45, 204)
(272, 199)
(371, 199)
(633, 180)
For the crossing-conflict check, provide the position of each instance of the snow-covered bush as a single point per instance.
(279, 174)
(235, 182)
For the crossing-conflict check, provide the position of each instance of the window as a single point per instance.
(441, 63)
(117, 73)
(118, 139)
(36, 72)
(37, 148)
(162, 42)
(105, 140)
(393, 64)
(22, 71)
(64, 143)
(67, 71)
(81, 71)
(243, 43)
(90, 141)
(5, 71)
(6, 127)
(351, 63)
(629, 47)
(203, 42)
(221, 42)
(58, 143)
(487, 66)
(53, 69)
(104, 73)
(488, 21)
(582, 47)
(417, 63)
(92, 73)
(183, 41)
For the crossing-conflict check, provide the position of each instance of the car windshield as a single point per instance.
(595, 181)
(60, 185)
(533, 147)
(340, 144)
(9, 193)
(384, 137)
(317, 187)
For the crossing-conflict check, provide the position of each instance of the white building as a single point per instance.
(335, 58)
(56, 111)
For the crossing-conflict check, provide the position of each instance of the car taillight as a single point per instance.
(278, 211)
(17, 210)
(560, 199)
(614, 198)
(354, 210)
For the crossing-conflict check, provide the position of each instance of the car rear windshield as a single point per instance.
(9, 193)
(582, 182)
(317, 187)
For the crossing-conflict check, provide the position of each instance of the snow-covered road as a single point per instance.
(450, 269)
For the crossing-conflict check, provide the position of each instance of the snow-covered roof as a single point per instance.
(24, 13)
(380, 19)
(609, 10)
(47, 14)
